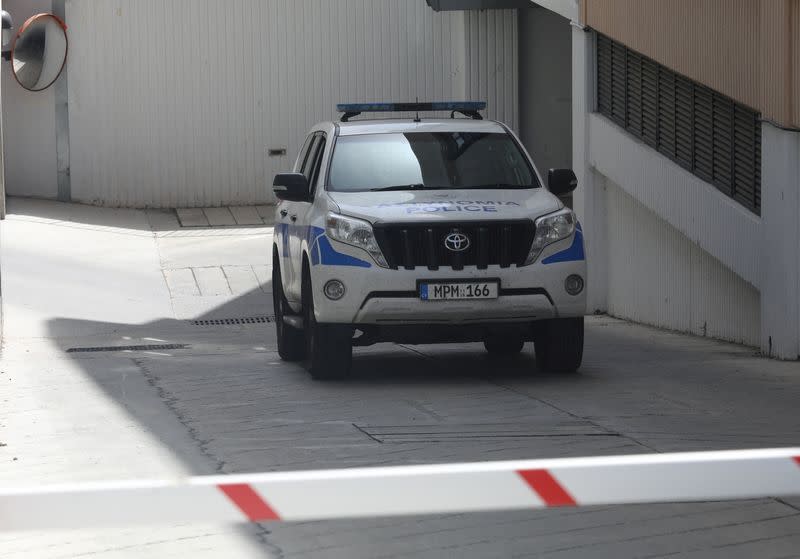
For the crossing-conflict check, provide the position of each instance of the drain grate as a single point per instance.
(153, 347)
(447, 432)
(233, 321)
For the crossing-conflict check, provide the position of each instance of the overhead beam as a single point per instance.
(451, 5)
(569, 9)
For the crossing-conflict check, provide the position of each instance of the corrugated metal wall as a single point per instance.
(658, 276)
(29, 124)
(746, 49)
(176, 103)
(2, 183)
(492, 62)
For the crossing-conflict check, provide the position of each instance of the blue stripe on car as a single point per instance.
(330, 257)
(320, 248)
(573, 254)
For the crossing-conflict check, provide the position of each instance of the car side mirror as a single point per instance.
(292, 187)
(562, 181)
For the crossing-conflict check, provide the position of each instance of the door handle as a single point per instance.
(293, 218)
(284, 213)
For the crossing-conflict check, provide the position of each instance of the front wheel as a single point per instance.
(559, 345)
(291, 343)
(329, 347)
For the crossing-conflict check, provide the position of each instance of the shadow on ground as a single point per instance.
(640, 390)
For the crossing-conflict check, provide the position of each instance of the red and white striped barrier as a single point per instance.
(409, 490)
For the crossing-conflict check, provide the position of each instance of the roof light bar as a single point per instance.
(467, 108)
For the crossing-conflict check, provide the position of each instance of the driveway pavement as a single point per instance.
(78, 278)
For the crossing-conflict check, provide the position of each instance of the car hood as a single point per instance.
(440, 205)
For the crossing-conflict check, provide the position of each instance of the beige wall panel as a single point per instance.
(746, 49)
(776, 60)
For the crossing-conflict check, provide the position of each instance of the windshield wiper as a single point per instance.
(497, 185)
(417, 186)
(420, 186)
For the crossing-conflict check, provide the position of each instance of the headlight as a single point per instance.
(355, 232)
(551, 229)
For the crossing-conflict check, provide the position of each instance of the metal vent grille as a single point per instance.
(152, 347)
(233, 321)
(707, 133)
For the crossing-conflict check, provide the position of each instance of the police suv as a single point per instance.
(424, 231)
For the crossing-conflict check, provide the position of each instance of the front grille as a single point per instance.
(492, 243)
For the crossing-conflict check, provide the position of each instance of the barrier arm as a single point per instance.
(408, 490)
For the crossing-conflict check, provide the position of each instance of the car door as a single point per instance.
(297, 215)
(284, 225)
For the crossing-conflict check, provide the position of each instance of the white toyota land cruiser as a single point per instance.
(424, 231)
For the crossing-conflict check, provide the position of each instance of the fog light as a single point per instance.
(574, 284)
(334, 290)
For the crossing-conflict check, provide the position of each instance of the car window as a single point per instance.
(311, 158)
(317, 165)
(301, 158)
(442, 160)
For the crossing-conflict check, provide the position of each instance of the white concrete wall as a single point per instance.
(176, 103)
(780, 242)
(721, 227)
(658, 276)
(589, 202)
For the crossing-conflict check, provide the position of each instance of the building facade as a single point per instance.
(193, 103)
(686, 119)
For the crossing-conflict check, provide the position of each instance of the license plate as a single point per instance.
(458, 291)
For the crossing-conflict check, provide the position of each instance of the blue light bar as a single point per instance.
(468, 108)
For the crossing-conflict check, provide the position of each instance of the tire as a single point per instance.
(291, 342)
(503, 347)
(329, 347)
(559, 345)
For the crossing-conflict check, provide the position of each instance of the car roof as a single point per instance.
(360, 127)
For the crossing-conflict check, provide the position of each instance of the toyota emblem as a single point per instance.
(456, 242)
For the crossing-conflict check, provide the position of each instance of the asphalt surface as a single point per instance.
(227, 404)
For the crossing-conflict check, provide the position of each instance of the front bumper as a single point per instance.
(378, 295)
(381, 308)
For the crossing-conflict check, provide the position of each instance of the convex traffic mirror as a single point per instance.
(39, 52)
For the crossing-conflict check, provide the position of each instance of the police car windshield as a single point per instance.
(428, 160)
